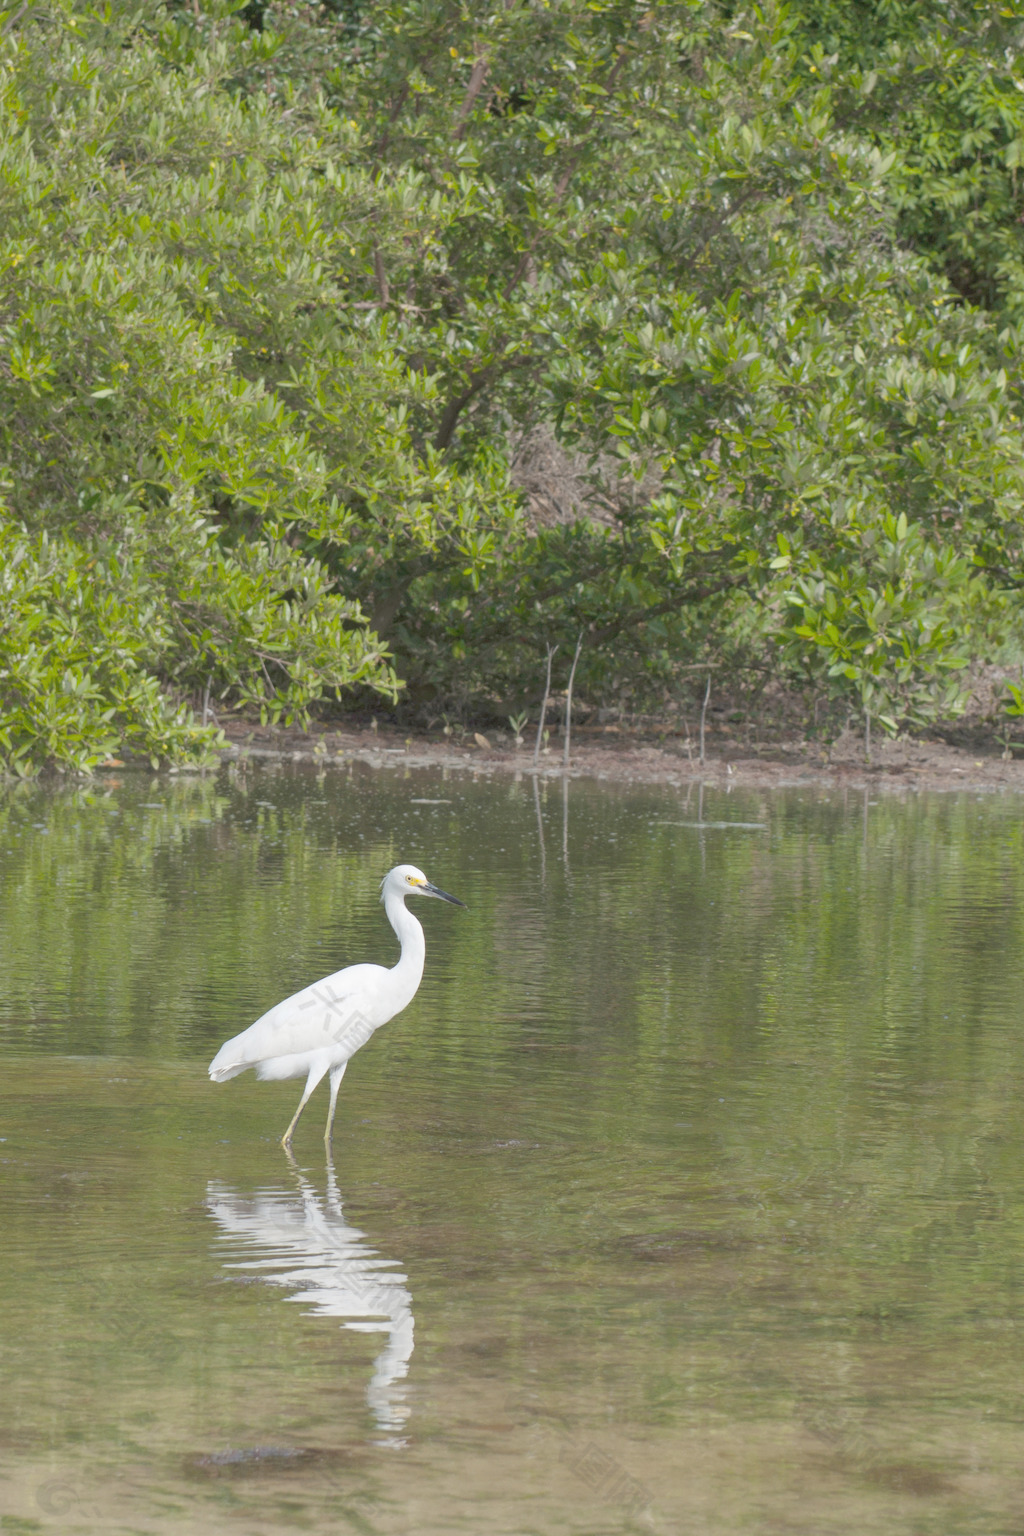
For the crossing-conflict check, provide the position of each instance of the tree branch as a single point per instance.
(381, 276)
(635, 617)
(392, 117)
(457, 404)
(12, 21)
(476, 84)
(643, 615)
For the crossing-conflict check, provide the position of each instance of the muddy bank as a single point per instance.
(615, 754)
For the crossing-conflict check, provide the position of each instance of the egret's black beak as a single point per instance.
(433, 890)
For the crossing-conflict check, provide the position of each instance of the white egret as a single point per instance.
(319, 1029)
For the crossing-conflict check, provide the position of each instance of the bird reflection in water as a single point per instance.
(305, 1244)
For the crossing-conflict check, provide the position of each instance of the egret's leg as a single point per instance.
(337, 1073)
(315, 1074)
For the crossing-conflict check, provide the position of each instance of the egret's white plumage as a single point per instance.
(319, 1029)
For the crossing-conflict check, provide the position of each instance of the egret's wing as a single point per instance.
(338, 1010)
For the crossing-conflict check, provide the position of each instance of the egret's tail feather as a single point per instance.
(222, 1074)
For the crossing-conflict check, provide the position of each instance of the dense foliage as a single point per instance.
(282, 293)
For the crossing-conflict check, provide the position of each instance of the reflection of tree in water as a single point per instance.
(306, 1245)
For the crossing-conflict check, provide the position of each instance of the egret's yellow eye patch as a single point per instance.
(413, 881)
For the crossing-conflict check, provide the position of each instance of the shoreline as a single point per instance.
(621, 757)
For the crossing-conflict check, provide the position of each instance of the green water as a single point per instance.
(687, 1197)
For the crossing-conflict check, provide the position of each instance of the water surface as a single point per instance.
(687, 1196)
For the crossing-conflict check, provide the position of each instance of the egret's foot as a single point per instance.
(286, 1142)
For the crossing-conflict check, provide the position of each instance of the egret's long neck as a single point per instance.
(410, 936)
